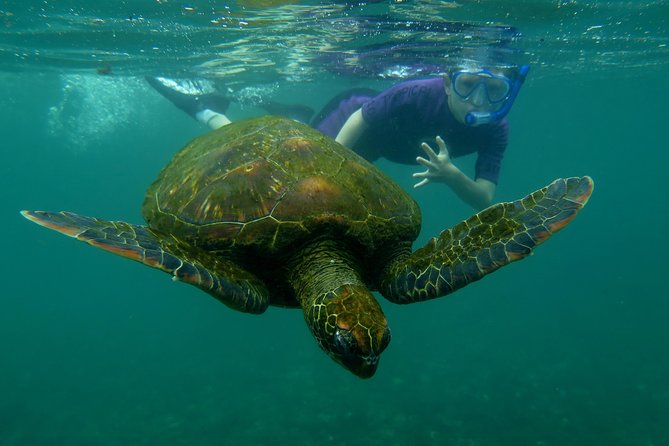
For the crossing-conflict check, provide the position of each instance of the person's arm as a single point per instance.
(477, 193)
(353, 128)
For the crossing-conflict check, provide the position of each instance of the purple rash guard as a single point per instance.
(416, 111)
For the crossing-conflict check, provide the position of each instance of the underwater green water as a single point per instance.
(569, 347)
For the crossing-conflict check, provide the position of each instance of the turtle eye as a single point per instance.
(344, 342)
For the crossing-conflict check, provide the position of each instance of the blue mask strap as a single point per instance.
(478, 118)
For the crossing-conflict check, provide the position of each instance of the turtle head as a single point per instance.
(350, 327)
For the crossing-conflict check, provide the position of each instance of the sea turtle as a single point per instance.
(268, 211)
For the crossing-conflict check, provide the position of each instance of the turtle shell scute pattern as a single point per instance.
(268, 183)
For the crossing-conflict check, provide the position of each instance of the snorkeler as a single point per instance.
(463, 112)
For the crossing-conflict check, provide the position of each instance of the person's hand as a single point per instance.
(438, 166)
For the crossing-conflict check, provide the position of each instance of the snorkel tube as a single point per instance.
(478, 118)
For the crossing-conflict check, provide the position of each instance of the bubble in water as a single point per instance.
(93, 108)
(253, 96)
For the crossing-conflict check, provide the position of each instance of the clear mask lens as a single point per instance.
(496, 88)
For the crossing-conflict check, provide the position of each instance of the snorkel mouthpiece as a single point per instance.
(478, 118)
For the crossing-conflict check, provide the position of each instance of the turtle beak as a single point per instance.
(359, 355)
(362, 367)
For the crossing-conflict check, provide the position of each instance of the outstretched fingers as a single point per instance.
(435, 162)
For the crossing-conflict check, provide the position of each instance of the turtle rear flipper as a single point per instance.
(227, 282)
(497, 236)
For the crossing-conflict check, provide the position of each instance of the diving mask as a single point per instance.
(497, 89)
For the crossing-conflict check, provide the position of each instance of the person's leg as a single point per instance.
(212, 119)
(197, 97)
(200, 99)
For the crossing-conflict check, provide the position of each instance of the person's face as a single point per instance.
(474, 91)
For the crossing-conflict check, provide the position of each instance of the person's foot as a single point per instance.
(191, 95)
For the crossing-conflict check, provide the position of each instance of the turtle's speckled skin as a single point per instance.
(270, 212)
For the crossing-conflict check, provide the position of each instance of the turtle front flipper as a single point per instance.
(497, 236)
(227, 282)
